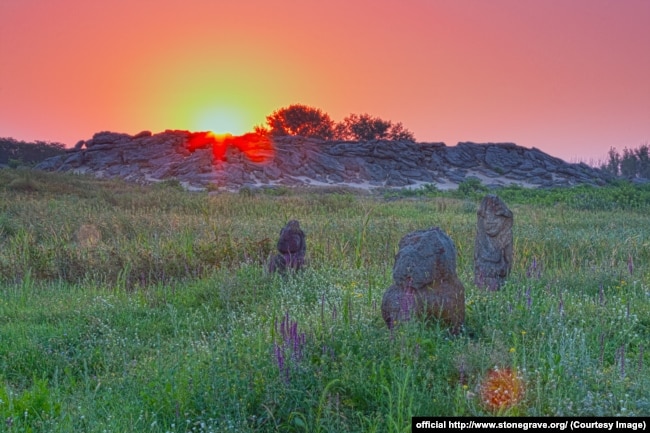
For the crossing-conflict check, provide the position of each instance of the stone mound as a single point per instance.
(197, 163)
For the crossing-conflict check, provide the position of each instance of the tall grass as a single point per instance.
(132, 308)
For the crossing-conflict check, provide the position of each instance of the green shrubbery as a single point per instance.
(619, 195)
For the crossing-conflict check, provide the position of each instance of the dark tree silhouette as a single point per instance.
(364, 127)
(633, 162)
(27, 153)
(298, 119)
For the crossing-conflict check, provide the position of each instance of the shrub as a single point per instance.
(14, 152)
(298, 119)
(633, 162)
(471, 186)
(365, 127)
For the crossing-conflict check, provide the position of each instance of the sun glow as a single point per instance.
(257, 148)
(222, 121)
(502, 389)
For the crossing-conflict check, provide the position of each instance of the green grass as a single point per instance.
(132, 308)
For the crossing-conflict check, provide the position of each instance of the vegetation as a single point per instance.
(301, 120)
(132, 308)
(365, 127)
(15, 153)
(307, 121)
(632, 163)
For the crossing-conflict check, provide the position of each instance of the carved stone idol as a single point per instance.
(291, 249)
(425, 283)
(493, 245)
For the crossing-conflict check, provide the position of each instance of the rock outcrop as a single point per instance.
(199, 163)
(425, 283)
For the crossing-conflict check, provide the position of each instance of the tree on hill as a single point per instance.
(633, 162)
(365, 127)
(17, 152)
(298, 119)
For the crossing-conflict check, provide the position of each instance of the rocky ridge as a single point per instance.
(296, 161)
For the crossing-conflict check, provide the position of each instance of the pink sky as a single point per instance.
(570, 77)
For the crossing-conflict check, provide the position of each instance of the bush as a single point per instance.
(633, 162)
(301, 120)
(365, 127)
(14, 163)
(307, 121)
(471, 186)
(14, 152)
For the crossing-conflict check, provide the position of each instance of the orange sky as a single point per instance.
(570, 77)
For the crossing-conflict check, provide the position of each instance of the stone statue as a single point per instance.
(425, 283)
(291, 249)
(493, 245)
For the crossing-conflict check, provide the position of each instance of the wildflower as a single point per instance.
(290, 347)
(502, 389)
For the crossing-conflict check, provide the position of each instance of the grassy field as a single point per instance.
(132, 308)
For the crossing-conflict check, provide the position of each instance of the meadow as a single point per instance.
(148, 308)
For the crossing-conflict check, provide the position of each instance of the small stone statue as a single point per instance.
(493, 245)
(425, 283)
(291, 249)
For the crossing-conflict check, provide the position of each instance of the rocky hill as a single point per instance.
(201, 160)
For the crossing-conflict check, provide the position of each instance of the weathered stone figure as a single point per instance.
(425, 283)
(291, 249)
(493, 245)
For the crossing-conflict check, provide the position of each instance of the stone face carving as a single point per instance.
(425, 283)
(493, 245)
(291, 249)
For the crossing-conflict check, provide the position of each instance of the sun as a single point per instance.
(221, 120)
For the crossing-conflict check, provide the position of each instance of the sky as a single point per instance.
(569, 77)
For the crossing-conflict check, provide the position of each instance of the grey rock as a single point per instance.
(300, 161)
(272, 171)
(395, 178)
(75, 160)
(291, 247)
(493, 244)
(502, 158)
(425, 283)
(461, 156)
(52, 164)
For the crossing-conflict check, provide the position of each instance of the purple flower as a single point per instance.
(290, 347)
(279, 358)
